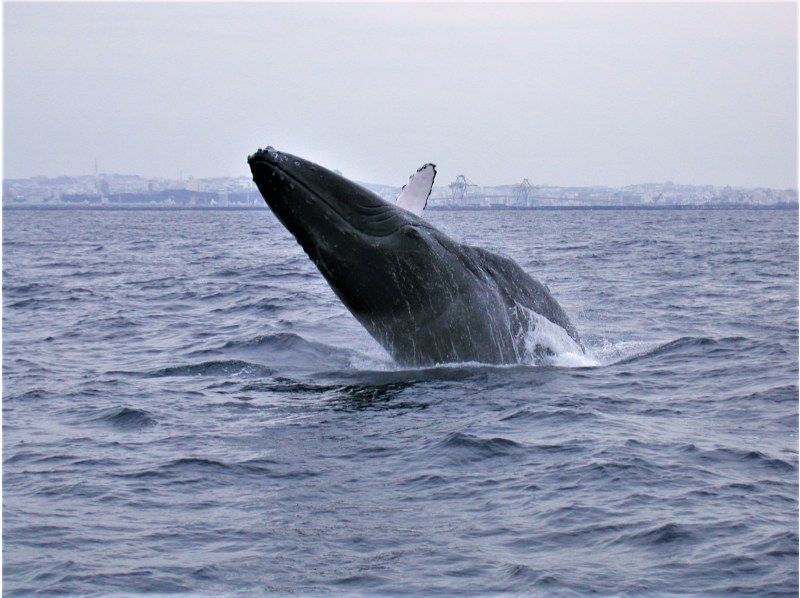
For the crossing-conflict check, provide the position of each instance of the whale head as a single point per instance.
(371, 252)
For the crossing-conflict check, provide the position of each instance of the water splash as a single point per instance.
(546, 343)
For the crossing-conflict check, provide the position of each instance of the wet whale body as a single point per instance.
(424, 297)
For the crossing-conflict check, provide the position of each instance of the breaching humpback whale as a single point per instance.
(426, 298)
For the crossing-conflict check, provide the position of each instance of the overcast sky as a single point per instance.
(567, 94)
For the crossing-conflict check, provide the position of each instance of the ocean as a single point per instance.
(187, 408)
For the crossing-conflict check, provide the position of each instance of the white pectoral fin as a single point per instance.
(414, 196)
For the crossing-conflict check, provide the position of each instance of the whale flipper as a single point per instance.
(414, 196)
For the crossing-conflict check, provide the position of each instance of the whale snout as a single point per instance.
(265, 164)
(274, 174)
(267, 155)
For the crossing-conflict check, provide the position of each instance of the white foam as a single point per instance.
(563, 350)
(543, 343)
(366, 354)
(361, 361)
(608, 351)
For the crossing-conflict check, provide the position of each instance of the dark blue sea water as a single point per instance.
(188, 408)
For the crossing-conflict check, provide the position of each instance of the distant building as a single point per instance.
(103, 188)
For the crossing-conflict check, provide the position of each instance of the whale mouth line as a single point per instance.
(317, 196)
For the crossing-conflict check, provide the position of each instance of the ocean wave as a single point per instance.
(777, 394)
(666, 533)
(286, 349)
(680, 344)
(212, 470)
(282, 341)
(229, 367)
(258, 305)
(689, 345)
(32, 302)
(467, 447)
(741, 456)
(126, 418)
(549, 416)
(21, 290)
(28, 395)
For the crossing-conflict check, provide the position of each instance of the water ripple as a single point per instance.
(188, 408)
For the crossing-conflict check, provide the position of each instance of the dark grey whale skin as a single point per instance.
(426, 298)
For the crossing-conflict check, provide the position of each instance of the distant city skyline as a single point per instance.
(562, 94)
(117, 190)
(440, 182)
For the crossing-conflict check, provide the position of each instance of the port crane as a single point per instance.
(460, 187)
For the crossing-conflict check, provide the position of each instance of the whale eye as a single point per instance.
(411, 233)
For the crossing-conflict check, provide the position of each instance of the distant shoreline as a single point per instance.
(151, 208)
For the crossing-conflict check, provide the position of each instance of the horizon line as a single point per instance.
(535, 184)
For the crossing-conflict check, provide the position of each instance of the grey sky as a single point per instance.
(560, 93)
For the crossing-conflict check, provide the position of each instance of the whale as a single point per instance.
(426, 298)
